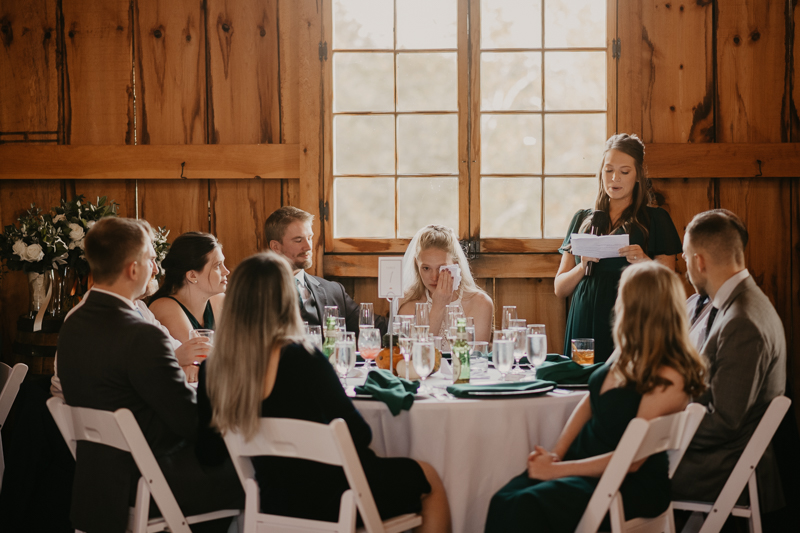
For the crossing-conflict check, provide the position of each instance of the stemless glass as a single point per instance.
(366, 316)
(341, 323)
(315, 336)
(405, 342)
(330, 311)
(422, 314)
(369, 344)
(503, 356)
(509, 314)
(479, 359)
(424, 358)
(422, 333)
(518, 330)
(208, 334)
(344, 356)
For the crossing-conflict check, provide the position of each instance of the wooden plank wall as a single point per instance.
(106, 72)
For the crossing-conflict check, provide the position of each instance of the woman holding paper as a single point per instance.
(436, 271)
(621, 208)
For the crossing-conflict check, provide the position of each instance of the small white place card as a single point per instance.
(390, 277)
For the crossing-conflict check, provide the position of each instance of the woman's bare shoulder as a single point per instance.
(478, 298)
(164, 305)
(406, 305)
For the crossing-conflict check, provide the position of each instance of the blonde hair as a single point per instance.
(651, 330)
(260, 312)
(445, 239)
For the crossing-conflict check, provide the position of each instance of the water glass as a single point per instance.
(424, 359)
(503, 356)
(369, 344)
(330, 311)
(366, 316)
(479, 358)
(208, 334)
(405, 342)
(537, 349)
(583, 351)
(341, 323)
(509, 314)
(422, 314)
(314, 336)
(422, 333)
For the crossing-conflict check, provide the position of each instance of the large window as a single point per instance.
(485, 115)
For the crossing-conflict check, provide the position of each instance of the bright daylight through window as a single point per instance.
(539, 107)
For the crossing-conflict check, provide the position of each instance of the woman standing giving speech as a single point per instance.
(624, 194)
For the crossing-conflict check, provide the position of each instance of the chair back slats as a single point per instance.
(288, 437)
(10, 380)
(695, 413)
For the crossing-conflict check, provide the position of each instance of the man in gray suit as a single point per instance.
(109, 357)
(745, 348)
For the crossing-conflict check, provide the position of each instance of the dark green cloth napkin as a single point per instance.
(396, 393)
(565, 371)
(466, 390)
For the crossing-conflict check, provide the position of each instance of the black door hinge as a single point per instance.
(323, 210)
(616, 48)
(471, 248)
(323, 51)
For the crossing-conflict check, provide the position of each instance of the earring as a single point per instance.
(195, 281)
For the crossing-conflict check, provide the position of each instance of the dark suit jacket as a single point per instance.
(332, 293)
(108, 358)
(746, 355)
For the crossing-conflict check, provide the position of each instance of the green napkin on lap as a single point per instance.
(565, 371)
(466, 390)
(396, 393)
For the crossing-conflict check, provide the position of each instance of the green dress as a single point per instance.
(557, 505)
(590, 313)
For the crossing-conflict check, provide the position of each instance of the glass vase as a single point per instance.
(38, 285)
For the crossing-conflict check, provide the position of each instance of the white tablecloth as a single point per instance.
(476, 446)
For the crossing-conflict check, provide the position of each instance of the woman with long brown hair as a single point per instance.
(260, 366)
(624, 196)
(654, 372)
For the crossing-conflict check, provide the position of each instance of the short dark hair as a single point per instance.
(720, 232)
(113, 243)
(276, 224)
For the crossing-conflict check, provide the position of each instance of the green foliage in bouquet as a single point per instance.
(74, 219)
(161, 247)
(36, 245)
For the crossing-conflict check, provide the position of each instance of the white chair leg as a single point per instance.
(755, 509)
(141, 510)
(347, 512)
(694, 523)
(617, 514)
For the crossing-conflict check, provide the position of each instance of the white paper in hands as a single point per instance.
(599, 246)
(455, 271)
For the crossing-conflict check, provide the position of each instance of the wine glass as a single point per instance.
(537, 348)
(509, 314)
(518, 331)
(366, 316)
(369, 344)
(424, 358)
(344, 356)
(208, 334)
(422, 333)
(422, 314)
(314, 335)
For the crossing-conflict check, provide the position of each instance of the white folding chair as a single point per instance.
(744, 473)
(330, 444)
(641, 439)
(10, 380)
(120, 430)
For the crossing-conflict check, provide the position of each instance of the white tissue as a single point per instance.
(455, 271)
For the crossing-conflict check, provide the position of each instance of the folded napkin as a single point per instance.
(396, 393)
(467, 390)
(565, 371)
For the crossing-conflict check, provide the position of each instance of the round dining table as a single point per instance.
(476, 445)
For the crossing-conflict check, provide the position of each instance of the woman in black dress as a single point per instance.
(261, 366)
(624, 196)
(654, 372)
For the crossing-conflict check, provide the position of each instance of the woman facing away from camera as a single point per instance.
(433, 247)
(260, 366)
(654, 371)
(623, 196)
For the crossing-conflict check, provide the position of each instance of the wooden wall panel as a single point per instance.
(244, 107)
(537, 303)
(28, 72)
(289, 89)
(171, 106)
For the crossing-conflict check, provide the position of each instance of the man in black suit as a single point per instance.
(109, 357)
(288, 232)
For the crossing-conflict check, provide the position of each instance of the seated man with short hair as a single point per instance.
(109, 357)
(745, 348)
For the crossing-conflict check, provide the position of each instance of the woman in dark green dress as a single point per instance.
(649, 376)
(624, 194)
